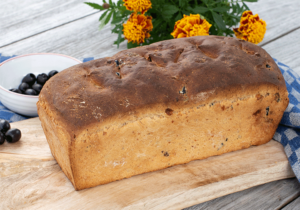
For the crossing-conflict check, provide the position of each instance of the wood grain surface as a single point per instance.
(287, 51)
(274, 195)
(31, 178)
(293, 205)
(281, 17)
(79, 39)
(71, 28)
(22, 19)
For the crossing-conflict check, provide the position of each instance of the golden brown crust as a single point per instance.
(156, 74)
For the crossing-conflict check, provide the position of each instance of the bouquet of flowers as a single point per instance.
(143, 22)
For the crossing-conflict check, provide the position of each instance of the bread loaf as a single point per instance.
(156, 106)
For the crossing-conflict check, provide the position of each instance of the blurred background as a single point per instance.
(71, 27)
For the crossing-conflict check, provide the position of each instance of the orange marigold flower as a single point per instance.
(252, 28)
(191, 25)
(137, 5)
(137, 28)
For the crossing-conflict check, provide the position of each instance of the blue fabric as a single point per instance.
(287, 133)
(3, 58)
(88, 59)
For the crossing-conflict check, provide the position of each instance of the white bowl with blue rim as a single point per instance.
(13, 70)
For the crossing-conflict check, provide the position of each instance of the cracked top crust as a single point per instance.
(169, 73)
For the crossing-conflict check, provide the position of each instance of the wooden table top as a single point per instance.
(71, 27)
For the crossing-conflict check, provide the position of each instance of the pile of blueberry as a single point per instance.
(11, 135)
(32, 85)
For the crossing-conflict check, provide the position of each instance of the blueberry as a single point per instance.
(52, 73)
(2, 138)
(23, 87)
(29, 79)
(4, 126)
(37, 88)
(42, 79)
(13, 135)
(31, 92)
(15, 90)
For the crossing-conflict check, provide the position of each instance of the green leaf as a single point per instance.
(233, 8)
(157, 22)
(200, 10)
(116, 29)
(234, 17)
(132, 45)
(116, 19)
(178, 16)
(101, 25)
(95, 6)
(182, 3)
(108, 18)
(239, 8)
(250, 0)
(205, 1)
(103, 15)
(190, 9)
(169, 10)
(119, 38)
(219, 21)
(186, 12)
(110, 2)
(119, 3)
(220, 9)
(246, 7)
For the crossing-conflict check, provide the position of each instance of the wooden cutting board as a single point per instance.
(30, 178)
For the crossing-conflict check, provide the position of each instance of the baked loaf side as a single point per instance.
(160, 105)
